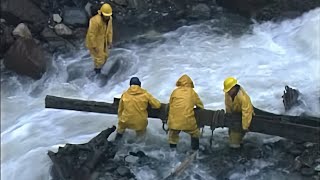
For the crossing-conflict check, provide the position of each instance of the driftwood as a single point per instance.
(182, 167)
(84, 161)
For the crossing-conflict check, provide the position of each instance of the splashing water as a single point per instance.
(264, 60)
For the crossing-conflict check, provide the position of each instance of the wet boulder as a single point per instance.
(56, 18)
(75, 16)
(62, 30)
(6, 38)
(22, 30)
(265, 10)
(25, 57)
(201, 11)
(55, 42)
(15, 11)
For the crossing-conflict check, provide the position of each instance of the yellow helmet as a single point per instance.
(229, 83)
(106, 9)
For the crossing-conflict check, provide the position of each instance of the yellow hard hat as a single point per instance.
(106, 9)
(229, 83)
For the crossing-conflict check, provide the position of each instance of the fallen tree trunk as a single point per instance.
(291, 127)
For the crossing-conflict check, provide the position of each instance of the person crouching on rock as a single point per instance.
(132, 110)
(237, 100)
(99, 36)
(181, 112)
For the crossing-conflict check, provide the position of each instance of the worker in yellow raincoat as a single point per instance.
(237, 100)
(132, 110)
(99, 36)
(181, 112)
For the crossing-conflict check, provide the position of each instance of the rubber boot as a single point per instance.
(97, 70)
(195, 143)
(118, 137)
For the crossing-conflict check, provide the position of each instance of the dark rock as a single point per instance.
(316, 177)
(94, 8)
(6, 38)
(296, 152)
(309, 156)
(200, 11)
(307, 171)
(75, 17)
(56, 43)
(264, 10)
(296, 165)
(111, 167)
(137, 4)
(123, 171)
(121, 2)
(15, 11)
(27, 58)
(62, 30)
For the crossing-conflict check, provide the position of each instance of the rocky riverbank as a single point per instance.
(60, 25)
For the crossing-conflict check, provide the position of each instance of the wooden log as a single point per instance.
(291, 127)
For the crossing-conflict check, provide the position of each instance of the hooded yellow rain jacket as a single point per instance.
(99, 36)
(182, 101)
(132, 111)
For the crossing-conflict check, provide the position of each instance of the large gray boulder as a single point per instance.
(25, 57)
(22, 30)
(15, 11)
(75, 16)
(62, 30)
(6, 38)
(55, 42)
(201, 11)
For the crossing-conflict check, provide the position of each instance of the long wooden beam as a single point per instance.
(291, 127)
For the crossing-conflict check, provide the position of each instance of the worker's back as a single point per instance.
(133, 107)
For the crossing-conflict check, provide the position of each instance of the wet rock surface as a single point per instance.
(27, 58)
(275, 157)
(264, 10)
(130, 17)
(101, 159)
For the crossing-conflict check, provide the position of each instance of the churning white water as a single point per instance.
(264, 60)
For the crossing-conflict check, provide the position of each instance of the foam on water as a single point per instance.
(264, 61)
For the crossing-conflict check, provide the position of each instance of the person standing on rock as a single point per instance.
(181, 112)
(99, 36)
(132, 110)
(237, 100)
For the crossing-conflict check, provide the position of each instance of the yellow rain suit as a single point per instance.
(241, 104)
(132, 111)
(99, 36)
(181, 113)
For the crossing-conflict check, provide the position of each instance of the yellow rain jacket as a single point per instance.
(182, 101)
(99, 36)
(241, 104)
(132, 111)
